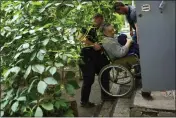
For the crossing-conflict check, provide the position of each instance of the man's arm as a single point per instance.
(137, 33)
(116, 50)
(87, 42)
(131, 30)
(124, 49)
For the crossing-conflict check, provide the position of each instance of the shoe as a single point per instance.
(87, 105)
(109, 98)
(146, 95)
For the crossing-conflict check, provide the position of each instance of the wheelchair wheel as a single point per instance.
(121, 81)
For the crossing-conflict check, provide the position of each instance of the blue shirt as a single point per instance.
(131, 16)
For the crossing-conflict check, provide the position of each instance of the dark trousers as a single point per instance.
(94, 61)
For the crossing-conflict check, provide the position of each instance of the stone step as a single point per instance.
(161, 105)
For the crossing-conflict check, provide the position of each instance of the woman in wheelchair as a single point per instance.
(118, 48)
(122, 51)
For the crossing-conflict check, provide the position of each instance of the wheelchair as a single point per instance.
(122, 72)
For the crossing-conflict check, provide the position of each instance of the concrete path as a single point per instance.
(94, 97)
(137, 106)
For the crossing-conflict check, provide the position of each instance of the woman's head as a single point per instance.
(108, 30)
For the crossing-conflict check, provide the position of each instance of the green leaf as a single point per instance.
(59, 28)
(27, 72)
(41, 54)
(60, 103)
(33, 56)
(41, 87)
(15, 70)
(34, 102)
(38, 112)
(78, 7)
(22, 98)
(49, 4)
(3, 104)
(70, 89)
(58, 65)
(47, 68)
(7, 28)
(15, 17)
(23, 46)
(30, 87)
(71, 38)
(7, 73)
(17, 37)
(54, 40)
(27, 51)
(17, 55)
(70, 5)
(38, 68)
(31, 31)
(69, 113)
(2, 113)
(57, 4)
(45, 42)
(40, 29)
(74, 83)
(50, 80)
(47, 106)
(15, 106)
(57, 105)
(70, 75)
(47, 25)
(53, 70)
(27, 114)
(38, 3)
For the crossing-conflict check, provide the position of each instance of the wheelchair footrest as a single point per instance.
(136, 69)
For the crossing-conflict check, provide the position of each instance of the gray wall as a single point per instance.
(157, 45)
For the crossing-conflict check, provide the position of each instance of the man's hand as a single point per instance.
(131, 33)
(96, 46)
(129, 42)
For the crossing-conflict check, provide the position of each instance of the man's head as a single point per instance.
(120, 8)
(98, 20)
(108, 30)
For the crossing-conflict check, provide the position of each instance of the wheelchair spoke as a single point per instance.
(121, 80)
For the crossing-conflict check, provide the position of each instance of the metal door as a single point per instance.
(157, 44)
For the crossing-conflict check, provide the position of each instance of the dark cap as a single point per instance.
(98, 15)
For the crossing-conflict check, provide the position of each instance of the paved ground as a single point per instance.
(94, 97)
(137, 106)
(162, 105)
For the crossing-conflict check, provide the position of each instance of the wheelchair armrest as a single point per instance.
(131, 54)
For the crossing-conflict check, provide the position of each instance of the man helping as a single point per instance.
(94, 61)
(130, 14)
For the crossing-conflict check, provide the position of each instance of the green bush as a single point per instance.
(38, 47)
